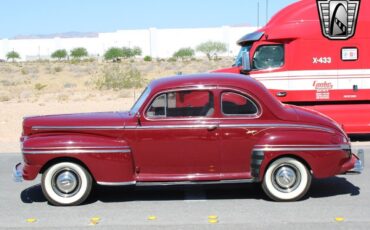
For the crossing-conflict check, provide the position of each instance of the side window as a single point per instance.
(268, 56)
(190, 103)
(237, 104)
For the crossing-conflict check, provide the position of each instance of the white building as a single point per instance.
(154, 42)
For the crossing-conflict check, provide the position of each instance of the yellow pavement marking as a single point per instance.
(95, 220)
(213, 219)
(152, 217)
(31, 220)
(339, 219)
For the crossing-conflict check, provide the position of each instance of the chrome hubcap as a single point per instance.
(286, 178)
(66, 182)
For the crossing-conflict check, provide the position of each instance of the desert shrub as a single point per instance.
(148, 58)
(59, 54)
(116, 77)
(184, 53)
(24, 71)
(58, 69)
(70, 85)
(4, 98)
(172, 59)
(212, 49)
(39, 86)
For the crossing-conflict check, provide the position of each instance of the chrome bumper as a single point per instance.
(359, 164)
(18, 172)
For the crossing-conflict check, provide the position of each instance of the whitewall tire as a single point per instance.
(286, 179)
(66, 184)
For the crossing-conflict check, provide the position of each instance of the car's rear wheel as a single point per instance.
(286, 179)
(66, 184)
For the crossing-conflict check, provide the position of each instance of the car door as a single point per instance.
(178, 138)
(238, 136)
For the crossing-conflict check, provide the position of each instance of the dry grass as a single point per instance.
(65, 81)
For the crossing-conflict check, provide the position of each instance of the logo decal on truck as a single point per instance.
(338, 18)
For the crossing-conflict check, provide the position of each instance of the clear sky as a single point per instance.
(33, 17)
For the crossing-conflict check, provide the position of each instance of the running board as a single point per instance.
(173, 183)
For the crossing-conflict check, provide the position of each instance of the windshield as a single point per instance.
(135, 108)
(238, 60)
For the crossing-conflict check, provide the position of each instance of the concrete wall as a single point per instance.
(154, 42)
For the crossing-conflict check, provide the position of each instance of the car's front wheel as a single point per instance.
(286, 179)
(66, 184)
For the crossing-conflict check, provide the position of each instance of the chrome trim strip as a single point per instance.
(297, 149)
(77, 147)
(78, 127)
(116, 183)
(77, 151)
(276, 125)
(271, 125)
(301, 147)
(173, 183)
(269, 149)
(177, 126)
(344, 146)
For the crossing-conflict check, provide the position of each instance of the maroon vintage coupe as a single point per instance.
(204, 128)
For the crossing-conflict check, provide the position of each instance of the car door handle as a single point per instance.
(281, 94)
(212, 127)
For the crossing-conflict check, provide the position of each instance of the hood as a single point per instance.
(67, 121)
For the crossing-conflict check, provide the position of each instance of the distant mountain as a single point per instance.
(60, 35)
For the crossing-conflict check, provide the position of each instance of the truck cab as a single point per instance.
(300, 65)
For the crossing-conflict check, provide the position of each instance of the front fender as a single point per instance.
(109, 160)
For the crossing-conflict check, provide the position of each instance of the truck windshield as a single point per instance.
(238, 60)
(135, 108)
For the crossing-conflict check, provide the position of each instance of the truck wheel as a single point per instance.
(286, 179)
(66, 184)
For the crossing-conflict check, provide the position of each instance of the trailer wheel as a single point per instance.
(66, 184)
(286, 179)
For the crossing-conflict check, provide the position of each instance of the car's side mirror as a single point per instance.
(246, 63)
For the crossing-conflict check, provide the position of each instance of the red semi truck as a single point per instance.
(315, 54)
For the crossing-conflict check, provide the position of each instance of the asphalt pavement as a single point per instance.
(341, 202)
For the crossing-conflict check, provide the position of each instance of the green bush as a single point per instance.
(12, 55)
(148, 58)
(78, 53)
(59, 54)
(117, 77)
(184, 53)
(211, 49)
(131, 52)
(113, 53)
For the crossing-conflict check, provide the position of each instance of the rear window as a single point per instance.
(237, 104)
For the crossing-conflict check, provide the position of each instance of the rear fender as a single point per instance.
(109, 160)
(313, 148)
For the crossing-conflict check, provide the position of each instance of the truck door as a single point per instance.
(269, 66)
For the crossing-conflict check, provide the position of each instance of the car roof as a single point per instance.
(236, 81)
(206, 79)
